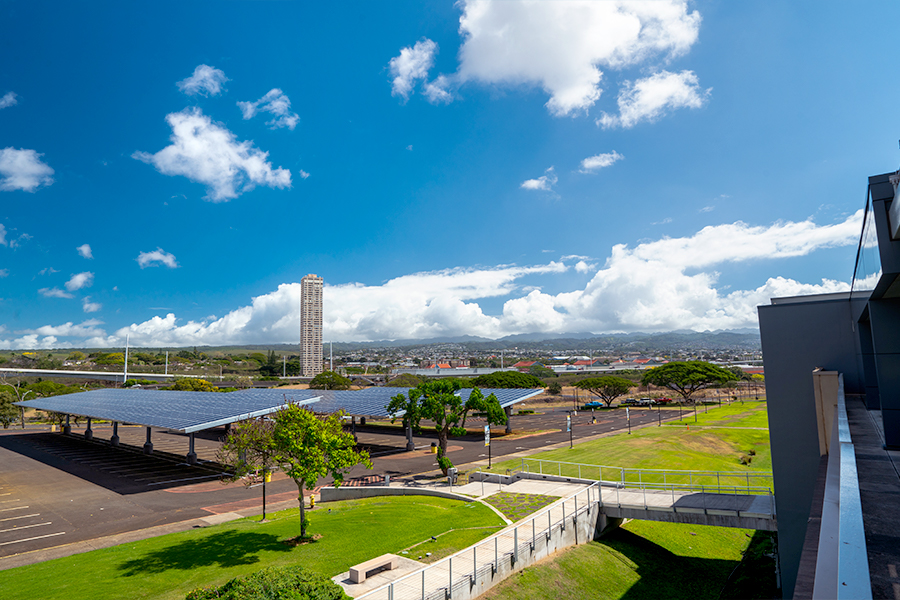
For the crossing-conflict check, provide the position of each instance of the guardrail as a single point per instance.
(466, 573)
(724, 482)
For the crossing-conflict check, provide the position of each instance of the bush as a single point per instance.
(507, 379)
(554, 388)
(274, 583)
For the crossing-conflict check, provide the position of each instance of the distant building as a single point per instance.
(311, 325)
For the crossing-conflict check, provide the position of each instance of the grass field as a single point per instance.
(644, 559)
(641, 559)
(717, 442)
(170, 566)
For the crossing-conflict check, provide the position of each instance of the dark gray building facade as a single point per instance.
(856, 333)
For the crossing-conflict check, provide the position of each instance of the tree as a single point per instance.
(190, 384)
(539, 370)
(607, 388)
(685, 378)
(249, 449)
(439, 402)
(76, 355)
(308, 447)
(555, 388)
(9, 413)
(405, 380)
(329, 380)
(507, 379)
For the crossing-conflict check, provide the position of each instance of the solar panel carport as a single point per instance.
(185, 412)
(188, 412)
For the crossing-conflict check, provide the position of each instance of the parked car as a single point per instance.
(645, 402)
(629, 401)
(662, 400)
(592, 404)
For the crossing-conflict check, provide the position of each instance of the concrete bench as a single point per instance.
(386, 562)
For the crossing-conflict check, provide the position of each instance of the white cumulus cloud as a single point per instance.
(650, 98)
(206, 81)
(80, 280)
(563, 47)
(600, 161)
(544, 182)
(276, 103)
(208, 153)
(411, 67)
(54, 293)
(8, 99)
(23, 170)
(157, 257)
(90, 307)
(84, 251)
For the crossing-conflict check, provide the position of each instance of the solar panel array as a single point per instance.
(180, 411)
(372, 402)
(193, 411)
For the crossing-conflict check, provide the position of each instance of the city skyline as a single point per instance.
(602, 167)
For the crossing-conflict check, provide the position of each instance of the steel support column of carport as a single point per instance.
(191, 455)
(148, 445)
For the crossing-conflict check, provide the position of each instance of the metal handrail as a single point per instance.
(417, 580)
(632, 476)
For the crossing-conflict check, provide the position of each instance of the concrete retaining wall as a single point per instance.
(370, 491)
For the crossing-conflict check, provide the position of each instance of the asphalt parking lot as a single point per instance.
(57, 490)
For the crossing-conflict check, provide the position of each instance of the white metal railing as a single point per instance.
(449, 576)
(842, 564)
(725, 482)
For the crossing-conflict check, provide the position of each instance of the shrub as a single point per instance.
(274, 583)
(554, 388)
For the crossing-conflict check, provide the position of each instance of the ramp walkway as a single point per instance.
(589, 507)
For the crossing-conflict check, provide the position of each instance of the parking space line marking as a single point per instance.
(22, 517)
(40, 537)
(26, 527)
(6, 494)
(14, 500)
(14, 508)
(187, 479)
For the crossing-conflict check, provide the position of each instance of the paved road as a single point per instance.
(57, 490)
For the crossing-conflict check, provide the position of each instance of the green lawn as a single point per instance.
(641, 559)
(170, 566)
(717, 442)
(518, 506)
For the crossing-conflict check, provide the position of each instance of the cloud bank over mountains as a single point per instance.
(670, 283)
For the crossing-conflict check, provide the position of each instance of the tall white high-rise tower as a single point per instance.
(311, 325)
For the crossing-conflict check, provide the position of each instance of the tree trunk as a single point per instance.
(302, 509)
(442, 447)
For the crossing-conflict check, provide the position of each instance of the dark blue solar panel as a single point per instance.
(180, 411)
(193, 411)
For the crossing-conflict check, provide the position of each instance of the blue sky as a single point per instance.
(171, 170)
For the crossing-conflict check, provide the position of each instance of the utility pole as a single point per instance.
(125, 372)
(284, 366)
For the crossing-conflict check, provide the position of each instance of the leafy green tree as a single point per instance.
(190, 384)
(249, 449)
(405, 380)
(112, 358)
(555, 388)
(507, 379)
(438, 402)
(329, 380)
(9, 413)
(541, 371)
(687, 377)
(607, 388)
(308, 447)
(275, 583)
(76, 355)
